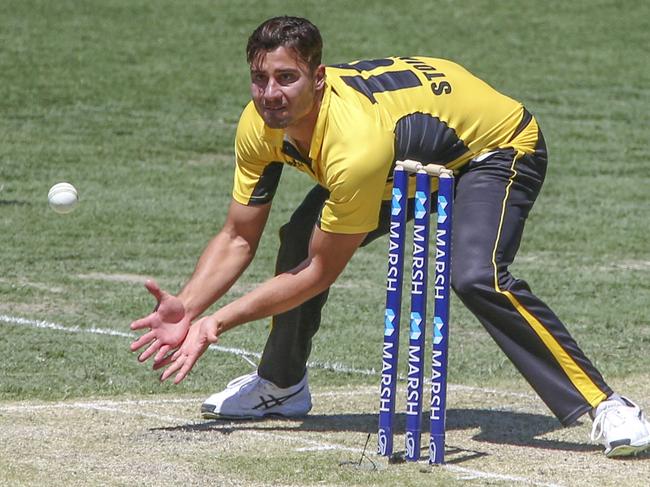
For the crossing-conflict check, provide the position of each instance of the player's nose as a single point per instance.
(272, 91)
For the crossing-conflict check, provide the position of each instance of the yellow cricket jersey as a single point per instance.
(372, 114)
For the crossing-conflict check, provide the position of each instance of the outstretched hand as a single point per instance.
(197, 341)
(168, 325)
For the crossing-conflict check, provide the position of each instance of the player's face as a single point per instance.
(283, 87)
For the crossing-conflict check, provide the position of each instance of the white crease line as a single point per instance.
(316, 448)
(316, 445)
(142, 402)
(85, 404)
(14, 320)
(175, 420)
(333, 366)
(145, 402)
(192, 400)
(18, 408)
(474, 474)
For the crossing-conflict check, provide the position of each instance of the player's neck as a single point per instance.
(302, 132)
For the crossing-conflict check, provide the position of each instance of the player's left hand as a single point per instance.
(197, 341)
(168, 325)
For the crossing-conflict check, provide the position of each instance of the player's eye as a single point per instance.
(286, 78)
(258, 78)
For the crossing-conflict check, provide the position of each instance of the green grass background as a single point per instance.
(136, 103)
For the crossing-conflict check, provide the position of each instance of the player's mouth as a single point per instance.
(275, 109)
(275, 116)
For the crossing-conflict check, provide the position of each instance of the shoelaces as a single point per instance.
(611, 416)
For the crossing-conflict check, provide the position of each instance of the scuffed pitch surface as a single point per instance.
(510, 439)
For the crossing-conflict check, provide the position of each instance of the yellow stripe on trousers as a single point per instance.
(574, 372)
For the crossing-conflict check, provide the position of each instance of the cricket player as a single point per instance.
(344, 126)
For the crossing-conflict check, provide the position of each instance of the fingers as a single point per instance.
(177, 361)
(142, 341)
(154, 289)
(181, 363)
(159, 363)
(185, 369)
(145, 322)
(161, 353)
(153, 348)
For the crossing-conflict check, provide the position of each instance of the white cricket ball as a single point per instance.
(63, 197)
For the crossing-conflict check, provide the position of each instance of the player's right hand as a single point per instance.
(199, 338)
(168, 325)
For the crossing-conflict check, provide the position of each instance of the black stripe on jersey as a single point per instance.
(427, 139)
(368, 65)
(388, 81)
(267, 185)
(525, 120)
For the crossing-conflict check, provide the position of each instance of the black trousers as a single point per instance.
(493, 198)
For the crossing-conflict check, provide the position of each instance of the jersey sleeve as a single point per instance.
(257, 175)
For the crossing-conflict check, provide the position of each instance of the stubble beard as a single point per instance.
(276, 122)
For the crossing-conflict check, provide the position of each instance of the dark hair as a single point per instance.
(292, 32)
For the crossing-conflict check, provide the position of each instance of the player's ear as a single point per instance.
(319, 76)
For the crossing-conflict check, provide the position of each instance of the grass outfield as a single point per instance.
(136, 104)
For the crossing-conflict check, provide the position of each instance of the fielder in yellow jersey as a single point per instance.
(345, 126)
(397, 103)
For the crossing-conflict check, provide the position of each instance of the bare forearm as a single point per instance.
(329, 254)
(222, 262)
(277, 295)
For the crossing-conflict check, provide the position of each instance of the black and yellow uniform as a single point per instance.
(374, 113)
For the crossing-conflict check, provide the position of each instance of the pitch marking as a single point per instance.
(332, 366)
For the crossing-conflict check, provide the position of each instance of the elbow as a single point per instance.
(243, 247)
(324, 283)
(236, 244)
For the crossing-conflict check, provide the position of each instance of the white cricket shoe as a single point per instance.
(622, 429)
(250, 396)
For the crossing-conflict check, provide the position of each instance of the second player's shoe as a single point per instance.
(621, 428)
(251, 396)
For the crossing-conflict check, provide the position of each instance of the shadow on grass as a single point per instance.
(498, 427)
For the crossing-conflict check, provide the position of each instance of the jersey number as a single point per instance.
(389, 81)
